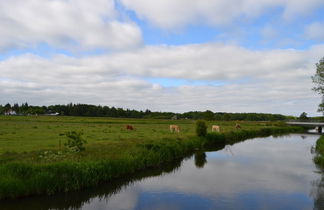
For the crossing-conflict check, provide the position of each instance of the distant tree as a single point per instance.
(15, 107)
(303, 116)
(105, 111)
(318, 80)
(24, 108)
(208, 115)
(7, 107)
(1, 109)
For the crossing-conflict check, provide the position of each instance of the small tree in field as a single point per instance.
(201, 128)
(75, 141)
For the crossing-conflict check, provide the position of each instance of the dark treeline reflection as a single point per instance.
(200, 159)
(75, 200)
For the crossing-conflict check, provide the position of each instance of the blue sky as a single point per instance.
(247, 33)
(180, 55)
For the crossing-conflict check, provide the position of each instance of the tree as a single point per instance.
(201, 128)
(303, 116)
(208, 115)
(318, 80)
(16, 107)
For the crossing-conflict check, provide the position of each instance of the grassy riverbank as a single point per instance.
(33, 159)
(319, 158)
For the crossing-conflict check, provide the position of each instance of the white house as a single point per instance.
(10, 112)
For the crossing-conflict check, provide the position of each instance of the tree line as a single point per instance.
(105, 111)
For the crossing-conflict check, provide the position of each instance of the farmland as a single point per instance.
(21, 134)
(33, 155)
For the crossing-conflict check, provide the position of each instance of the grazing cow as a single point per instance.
(215, 128)
(238, 126)
(174, 128)
(129, 127)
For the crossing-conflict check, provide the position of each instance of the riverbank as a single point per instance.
(319, 158)
(52, 171)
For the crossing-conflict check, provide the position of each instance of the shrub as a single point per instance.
(201, 128)
(75, 141)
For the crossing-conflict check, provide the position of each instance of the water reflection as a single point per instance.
(263, 173)
(200, 159)
(318, 191)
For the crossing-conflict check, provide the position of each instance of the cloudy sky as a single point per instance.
(163, 55)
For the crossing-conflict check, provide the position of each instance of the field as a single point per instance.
(25, 134)
(35, 160)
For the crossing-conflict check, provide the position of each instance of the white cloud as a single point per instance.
(295, 8)
(171, 14)
(276, 81)
(124, 199)
(315, 31)
(69, 24)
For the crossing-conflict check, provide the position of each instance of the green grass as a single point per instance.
(33, 162)
(26, 134)
(319, 158)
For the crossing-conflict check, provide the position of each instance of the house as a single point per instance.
(53, 114)
(174, 117)
(10, 112)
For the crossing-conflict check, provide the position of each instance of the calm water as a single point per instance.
(262, 173)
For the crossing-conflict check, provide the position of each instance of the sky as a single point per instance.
(163, 55)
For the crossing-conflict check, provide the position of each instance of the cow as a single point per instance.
(174, 128)
(215, 128)
(238, 126)
(129, 127)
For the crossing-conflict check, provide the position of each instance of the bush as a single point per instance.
(201, 128)
(75, 141)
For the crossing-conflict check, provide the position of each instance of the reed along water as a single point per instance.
(261, 173)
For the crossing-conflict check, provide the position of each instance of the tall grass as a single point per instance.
(18, 178)
(319, 158)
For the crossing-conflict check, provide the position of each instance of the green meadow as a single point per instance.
(35, 160)
(26, 134)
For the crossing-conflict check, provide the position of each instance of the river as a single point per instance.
(261, 173)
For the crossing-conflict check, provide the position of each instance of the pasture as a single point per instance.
(22, 136)
(29, 133)
(35, 160)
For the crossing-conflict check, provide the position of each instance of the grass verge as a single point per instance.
(319, 158)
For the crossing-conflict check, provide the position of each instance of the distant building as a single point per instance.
(174, 117)
(10, 112)
(53, 114)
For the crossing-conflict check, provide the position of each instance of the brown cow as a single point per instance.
(174, 128)
(129, 127)
(215, 128)
(238, 126)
